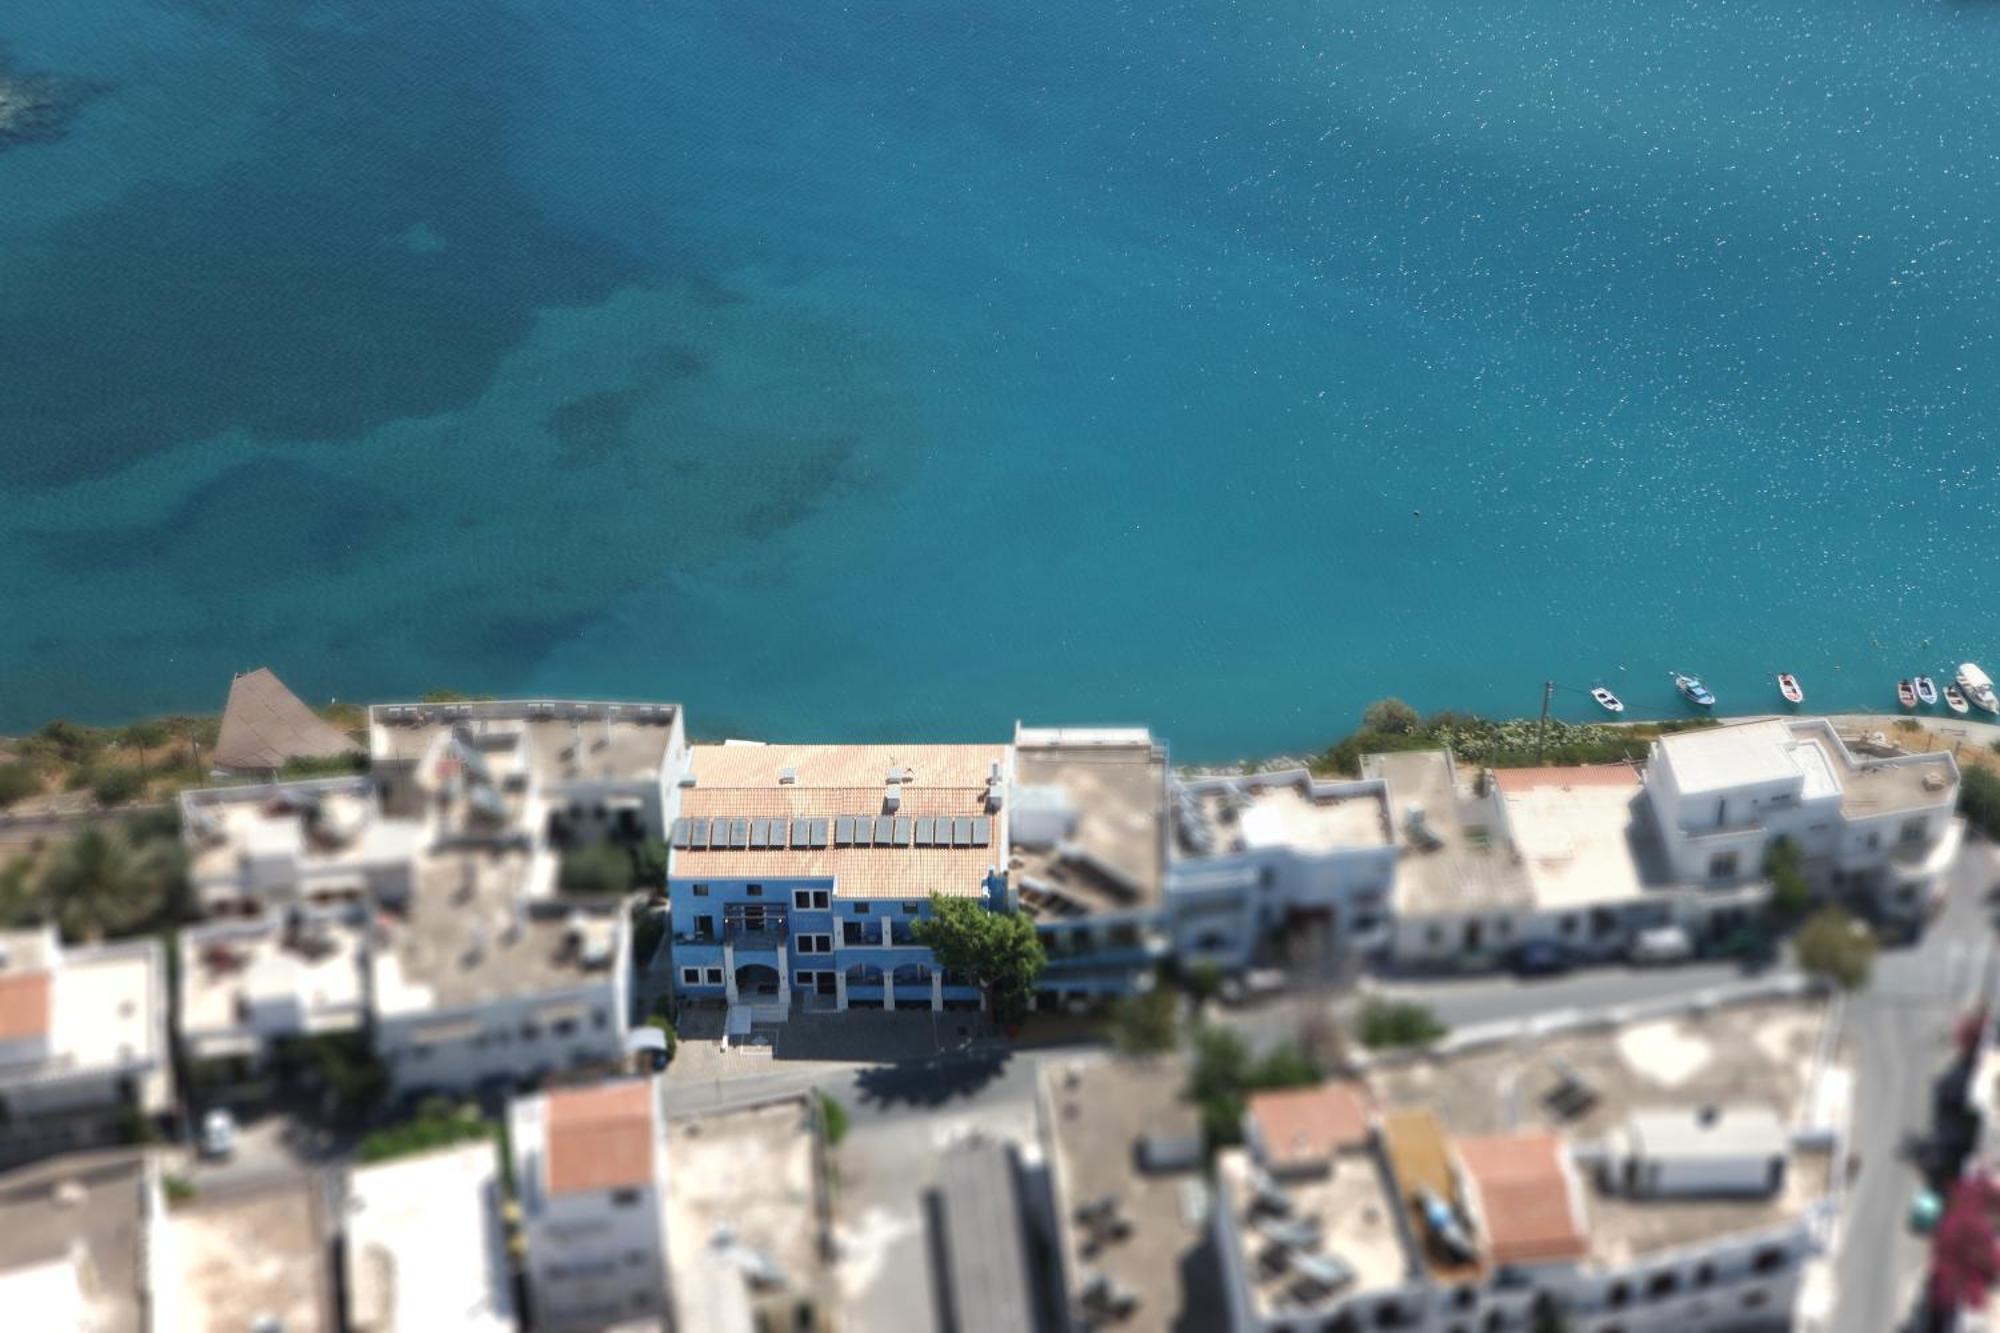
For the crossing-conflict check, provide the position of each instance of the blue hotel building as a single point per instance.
(798, 872)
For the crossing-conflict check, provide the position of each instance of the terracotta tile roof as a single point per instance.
(1586, 775)
(601, 1138)
(24, 1005)
(1524, 1195)
(1305, 1127)
(741, 782)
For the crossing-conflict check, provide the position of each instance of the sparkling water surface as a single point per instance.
(902, 369)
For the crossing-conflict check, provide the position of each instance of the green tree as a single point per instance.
(1391, 716)
(115, 784)
(998, 952)
(98, 884)
(17, 783)
(649, 864)
(597, 869)
(1147, 1023)
(21, 903)
(1979, 798)
(143, 736)
(1217, 1081)
(1203, 982)
(1388, 1023)
(1784, 867)
(1835, 947)
(833, 1119)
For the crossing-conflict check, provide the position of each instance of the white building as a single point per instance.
(1879, 830)
(258, 848)
(246, 985)
(426, 1245)
(592, 1183)
(1281, 852)
(83, 1042)
(75, 1245)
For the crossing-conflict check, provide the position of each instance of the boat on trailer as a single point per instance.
(1693, 690)
(1954, 699)
(1926, 691)
(1606, 700)
(1978, 687)
(1906, 694)
(1788, 685)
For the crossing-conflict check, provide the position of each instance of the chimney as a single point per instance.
(994, 783)
(892, 798)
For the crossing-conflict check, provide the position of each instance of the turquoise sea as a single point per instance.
(904, 368)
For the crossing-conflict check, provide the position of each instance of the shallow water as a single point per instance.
(897, 369)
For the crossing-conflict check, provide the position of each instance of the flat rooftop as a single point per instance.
(745, 1199)
(239, 976)
(1109, 792)
(93, 1202)
(324, 827)
(563, 740)
(239, 1254)
(1581, 834)
(100, 1006)
(1101, 1110)
(1291, 809)
(821, 811)
(1447, 865)
(1870, 786)
(481, 925)
(1744, 1056)
(1353, 1209)
(1712, 759)
(425, 1246)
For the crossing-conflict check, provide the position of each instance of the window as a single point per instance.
(715, 976)
(861, 909)
(1914, 830)
(1662, 1285)
(625, 1198)
(599, 1019)
(815, 944)
(1704, 1276)
(531, 1032)
(802, 899)
(1722, 865)
(754, 890)
(853, 932)
(1389, 1315)
(805, 980)
(1755, 1300)
(1874, 841)
(909, 909)
(1769, 1259)
(690, 976)
(1618, 1295)
(564, 1027)
(1463, 1298)
(1566, 926)
(701, 890)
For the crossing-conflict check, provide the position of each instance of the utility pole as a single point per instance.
(1542, 729)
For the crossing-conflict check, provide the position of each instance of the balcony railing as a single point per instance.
(744, 935)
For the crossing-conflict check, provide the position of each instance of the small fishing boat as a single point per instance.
(1926, 691)
(1954, 700)
(1906, 694)
(1978, 687)
(1606, 700)
(1693, 690)
(1788, 685)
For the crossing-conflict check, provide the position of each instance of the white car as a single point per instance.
(218, 1133)
(1662, 944)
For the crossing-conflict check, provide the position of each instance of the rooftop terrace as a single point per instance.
(239, 978)
(746, 1216)
(239, 1254)
(1133, 1229)
(481, 925)
(1290, 809)
(1581, 833)
(563, 740)
(320, 829)
(1448, 863)
(1742, 1057)
(91, 1206)
(1089, 812)
(94, 1008)
(1356, 1246)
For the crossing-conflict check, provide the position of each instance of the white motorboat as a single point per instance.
(1978, 687)
(1955, 701)
(1606, 700)
(1926, 691)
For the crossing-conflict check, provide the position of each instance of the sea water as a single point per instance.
(880, 370)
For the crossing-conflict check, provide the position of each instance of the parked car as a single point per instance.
(218, 1133)
(1259, 983)
(1541, 958)
(1661, 944)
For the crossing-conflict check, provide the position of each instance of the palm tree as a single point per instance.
(99, 884)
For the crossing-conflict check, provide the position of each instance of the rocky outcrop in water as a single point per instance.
(38, 108)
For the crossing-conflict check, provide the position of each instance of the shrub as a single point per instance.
(179, 1189)
(324, 765)
(1390, 1023)
(649, 864)
(17, 783)
(1146, 1024)
(1390, 715)
(598, 869)
(1790, 893)
(1224, 1075)
(833, 1116)
(1979, 798)
(434, 1126)
(665, 1026)
(1835, 947)
(116, 786)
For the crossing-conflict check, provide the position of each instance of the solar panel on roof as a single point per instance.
(739, 833)
(961, 831)
(864, 830)
(680, 833)
(885, 830)
(697, 833)
(982, 830)
(760, 833)
(902, 838)
(819, 833)
(801, 833)
(843, 830)
(924, 826)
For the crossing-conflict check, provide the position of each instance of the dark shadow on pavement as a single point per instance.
(929, 1083)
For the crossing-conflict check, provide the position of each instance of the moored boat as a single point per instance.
(1788, 685)
(1954, 700)
(1693, 690)
(1978, 687)
(1906, 694)
(1926, 691)
(1606, 700)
